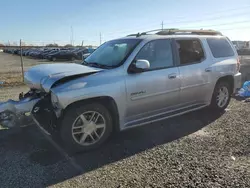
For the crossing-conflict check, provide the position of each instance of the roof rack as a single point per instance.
(178, 32)
(143, 33)
(134, 35)
(184, 31)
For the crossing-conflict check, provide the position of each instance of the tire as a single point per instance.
(215, 104)
(73, 59)
(74, 116)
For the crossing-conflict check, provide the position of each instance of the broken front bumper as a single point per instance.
(16, 113)
(34, 106)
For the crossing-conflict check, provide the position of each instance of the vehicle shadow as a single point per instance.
(136, 140)
(31, 149)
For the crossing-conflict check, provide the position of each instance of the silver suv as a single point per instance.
(129, 82)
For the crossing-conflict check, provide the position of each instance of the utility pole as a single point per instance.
(82, 42)
(162, 25)
(21, 56)
(100, 38)
(72, 36)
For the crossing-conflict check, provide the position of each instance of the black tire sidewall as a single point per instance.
(71, 115)
(214, 104)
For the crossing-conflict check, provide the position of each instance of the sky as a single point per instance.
(39, 22)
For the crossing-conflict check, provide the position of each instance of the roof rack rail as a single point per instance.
(185, 31)
(174, 31)
(134, 35)
(143, 33)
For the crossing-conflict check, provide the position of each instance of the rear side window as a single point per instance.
(220, 47)
(190, 51)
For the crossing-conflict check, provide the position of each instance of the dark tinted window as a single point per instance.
(220, 47)
(158, 53)
(190, 51)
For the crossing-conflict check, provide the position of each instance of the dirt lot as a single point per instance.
(199, 149)
(10, 68)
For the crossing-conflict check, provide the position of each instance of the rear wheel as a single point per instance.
(221, 96)
(53, 58)
(73, 59)
(86, 127)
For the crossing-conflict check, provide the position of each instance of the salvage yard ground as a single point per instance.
(10, 68)
(199, 149)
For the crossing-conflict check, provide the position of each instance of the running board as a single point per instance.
(163, 116)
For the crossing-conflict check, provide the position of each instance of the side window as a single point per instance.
(220, 47)
(190, 51)
(158, 53)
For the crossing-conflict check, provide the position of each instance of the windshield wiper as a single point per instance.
(94, 64)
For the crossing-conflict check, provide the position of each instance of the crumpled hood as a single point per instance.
(44, 76)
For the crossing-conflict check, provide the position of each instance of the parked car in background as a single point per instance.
(81, 53)
(24, 51)
(84, 56)
(63, 55)
(47, 52)
(51, 53)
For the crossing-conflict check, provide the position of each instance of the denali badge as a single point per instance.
(138, 93)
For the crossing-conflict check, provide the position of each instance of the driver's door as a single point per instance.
(155, 91)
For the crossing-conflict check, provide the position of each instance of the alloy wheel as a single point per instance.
(88, 128)
(222, 97)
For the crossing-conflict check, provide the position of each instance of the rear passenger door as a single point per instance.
(192, 64)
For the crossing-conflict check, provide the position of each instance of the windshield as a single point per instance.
(112, 53)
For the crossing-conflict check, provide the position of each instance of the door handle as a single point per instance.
(208, 70)
(172, 76)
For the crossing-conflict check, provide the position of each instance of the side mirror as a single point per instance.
(139, 65)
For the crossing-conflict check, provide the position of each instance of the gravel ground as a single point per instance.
(199, 149)
(29, 160)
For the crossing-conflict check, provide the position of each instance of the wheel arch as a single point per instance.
(229, 79)
(106, 101)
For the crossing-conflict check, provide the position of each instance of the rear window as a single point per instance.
(220, 47)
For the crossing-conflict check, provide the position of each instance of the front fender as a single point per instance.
(69, 97)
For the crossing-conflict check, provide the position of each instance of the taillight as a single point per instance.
(238, 65)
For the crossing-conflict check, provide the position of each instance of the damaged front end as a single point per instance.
(37, 102)
(17, 113)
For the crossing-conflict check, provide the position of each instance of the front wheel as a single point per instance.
(86, 127)
(221, 96)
